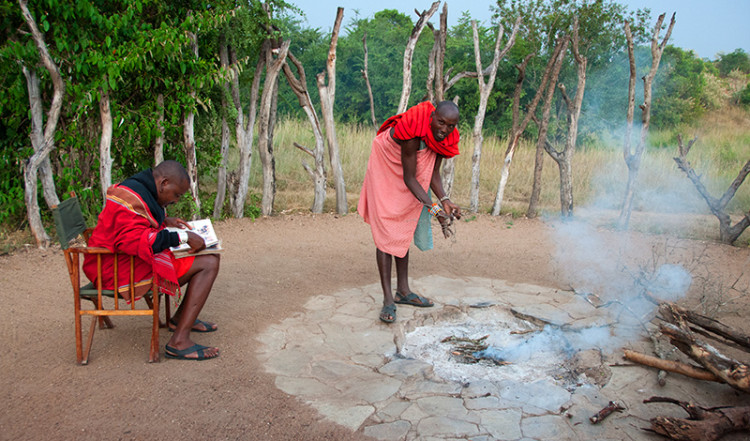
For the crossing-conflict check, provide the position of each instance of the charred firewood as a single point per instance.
(733, 372)
(611, 408)
(527, 331)
(670, 312)
(471, 350)
(453, 338)
(703, 424)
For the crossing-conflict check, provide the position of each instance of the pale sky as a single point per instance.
(705, 26)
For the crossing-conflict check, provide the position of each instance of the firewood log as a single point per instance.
(703, 424)
(672, 366)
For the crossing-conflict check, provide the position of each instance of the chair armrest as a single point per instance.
(90, 250)
(87, 233)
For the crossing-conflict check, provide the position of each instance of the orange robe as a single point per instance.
(386, 203)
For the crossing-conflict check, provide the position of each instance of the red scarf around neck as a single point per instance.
(415, 123)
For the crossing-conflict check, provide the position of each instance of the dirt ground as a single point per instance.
(270, 268)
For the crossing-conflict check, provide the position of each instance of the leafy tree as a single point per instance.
(131, 50)
(679, 88)
(745, 97)
(736, 60)
(387, 34)
(459, 57)
(602, 43)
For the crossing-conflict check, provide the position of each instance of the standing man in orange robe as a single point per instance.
(404, 163)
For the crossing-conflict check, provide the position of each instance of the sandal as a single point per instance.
(388, 313)
(181, 354)
(207, 327)
(413, 300)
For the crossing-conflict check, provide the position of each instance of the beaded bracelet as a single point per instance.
(436, 209)
(183, 236)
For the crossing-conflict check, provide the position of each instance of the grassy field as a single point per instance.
(600, 173)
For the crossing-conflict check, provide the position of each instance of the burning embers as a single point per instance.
(492, 344)
(470, 350)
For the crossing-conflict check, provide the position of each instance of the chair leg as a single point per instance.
(153, 355)
(79, 338)
(90, 341)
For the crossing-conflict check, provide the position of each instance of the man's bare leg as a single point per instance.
(402, 285)
(388, 313)
(384, 268)
(200, 279)
(402, 275)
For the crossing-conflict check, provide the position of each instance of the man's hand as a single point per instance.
(196, 242)
(176, 222)
(452, 209)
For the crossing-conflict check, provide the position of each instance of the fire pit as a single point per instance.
(403, 381)
(486, 341)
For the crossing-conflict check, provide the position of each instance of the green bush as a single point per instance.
(745, 97)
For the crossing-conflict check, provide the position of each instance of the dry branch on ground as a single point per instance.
(703, 424)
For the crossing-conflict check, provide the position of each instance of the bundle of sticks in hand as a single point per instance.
(445, 219)
(449, 230)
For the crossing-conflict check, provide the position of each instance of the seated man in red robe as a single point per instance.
(404, 163)
(134, 222)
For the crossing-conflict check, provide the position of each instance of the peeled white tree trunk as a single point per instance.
(188, 135)
(504, 173)
(273, 68)
(485, 89)
(317, 174)
(221, 176)
(37, 136)
(159, 141)
(409, 54)
(105, 143)
(32, 164)
(633, 158)
(327, 96)
(244, 130)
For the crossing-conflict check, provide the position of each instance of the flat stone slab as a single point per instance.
(388, 431)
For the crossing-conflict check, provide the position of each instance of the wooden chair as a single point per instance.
(71, 224)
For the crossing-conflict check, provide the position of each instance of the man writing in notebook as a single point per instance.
(134, 222)
(404, 163)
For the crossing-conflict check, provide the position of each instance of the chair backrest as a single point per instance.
(69, 221)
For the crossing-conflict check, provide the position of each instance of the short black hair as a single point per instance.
(445, 105)
(172, 169)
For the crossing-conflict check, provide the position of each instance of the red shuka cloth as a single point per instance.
(126, 225)
(415, 123)
(386, 203)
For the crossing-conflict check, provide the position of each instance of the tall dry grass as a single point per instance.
(600, 173)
